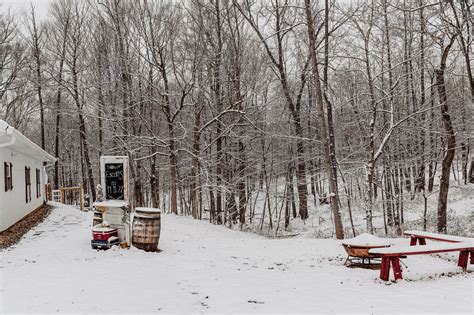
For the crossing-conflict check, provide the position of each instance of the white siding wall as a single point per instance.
(13, 205)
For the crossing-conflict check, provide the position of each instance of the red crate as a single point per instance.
(103, 233)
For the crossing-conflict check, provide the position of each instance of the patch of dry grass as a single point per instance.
(13, 234)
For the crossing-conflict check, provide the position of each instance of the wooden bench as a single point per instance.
(421, 236)
(391, 255)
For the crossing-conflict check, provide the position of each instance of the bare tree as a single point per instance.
(450, 138)
(36, 39)
(324, 124)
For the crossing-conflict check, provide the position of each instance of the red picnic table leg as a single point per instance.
(462, 262)
(472, 258)
(414, 239)
(397, 271)
(385, 268)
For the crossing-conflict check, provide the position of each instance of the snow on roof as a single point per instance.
(14, 139)
(366, 239)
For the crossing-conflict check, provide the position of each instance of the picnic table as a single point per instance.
(421, 236)
(446, 243)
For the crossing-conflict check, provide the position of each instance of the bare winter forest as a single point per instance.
(253, 114)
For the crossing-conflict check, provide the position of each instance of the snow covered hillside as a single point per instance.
(207, 268)
(320, 224)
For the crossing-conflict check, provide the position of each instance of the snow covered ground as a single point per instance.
(206, 268)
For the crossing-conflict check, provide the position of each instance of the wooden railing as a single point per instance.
(79, 189)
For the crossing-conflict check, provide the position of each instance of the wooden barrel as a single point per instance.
(146, 229)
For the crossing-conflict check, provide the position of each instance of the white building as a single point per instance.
(22, 175)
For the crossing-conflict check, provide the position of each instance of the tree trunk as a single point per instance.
(39, 86)
(82, 126)
(195, 162)
(139, 199)
(173, 173)
(322, 123)
(218, 104)
(154, 184)
(471, 173)
(450, 139)
(58, 107)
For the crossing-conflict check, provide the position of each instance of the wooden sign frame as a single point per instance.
(106, 160)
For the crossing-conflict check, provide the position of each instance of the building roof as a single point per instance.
(12, 138)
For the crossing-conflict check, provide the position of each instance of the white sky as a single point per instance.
(18, 6)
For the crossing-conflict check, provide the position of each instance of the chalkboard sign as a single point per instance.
(114, 181)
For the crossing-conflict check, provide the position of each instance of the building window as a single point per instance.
(27, 184)
(8, 168)
(38, 183)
